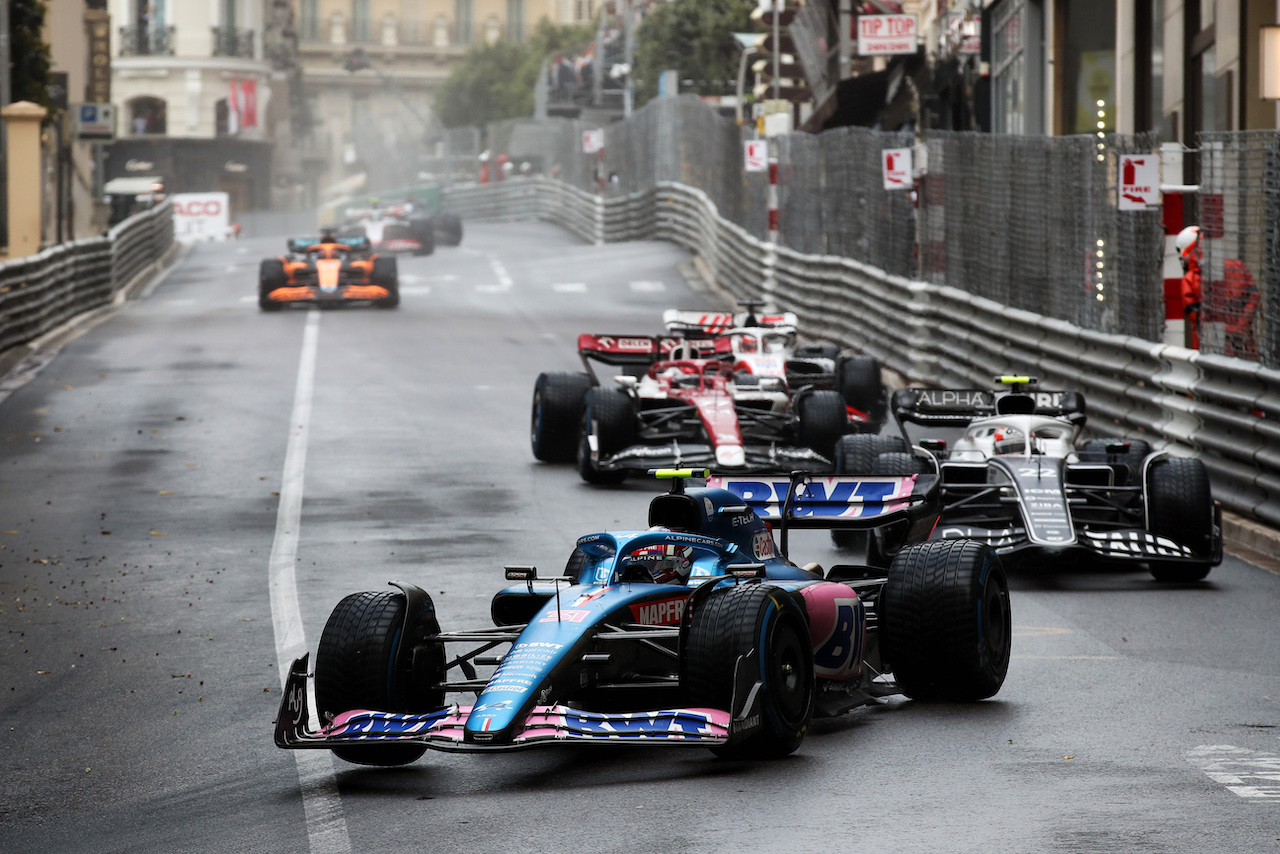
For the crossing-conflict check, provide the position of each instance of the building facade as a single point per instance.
(368, 127)
(193, 88)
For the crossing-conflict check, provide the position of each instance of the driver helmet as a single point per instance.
(1010, 442)
(327, 235)
(663, 567)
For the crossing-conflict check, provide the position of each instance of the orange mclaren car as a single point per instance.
(328, 271)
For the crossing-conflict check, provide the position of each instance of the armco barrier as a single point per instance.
(40, 292)
(1227, 411)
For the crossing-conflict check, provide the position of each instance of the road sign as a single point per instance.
(887, 35)
(1139, 182)
(756, 152)
(592, 141)
(896, 163)
(94, 121)
(201, 216)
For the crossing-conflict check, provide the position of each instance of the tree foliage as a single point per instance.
(695, 38)
(497, 81)
(28, 54)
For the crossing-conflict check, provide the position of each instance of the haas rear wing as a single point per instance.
(844, 502)
(956, 407)
(693, 321)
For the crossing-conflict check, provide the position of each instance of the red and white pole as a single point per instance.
(773, 197)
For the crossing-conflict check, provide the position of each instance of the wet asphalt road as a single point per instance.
(140, 480)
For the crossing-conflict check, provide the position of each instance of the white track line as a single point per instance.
(326, 824)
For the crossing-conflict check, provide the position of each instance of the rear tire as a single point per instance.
(732, 622)
(559, 399)
(613, 413)
(898, 464)
(425, 234)
(448, 229)
(857, 453)
(355, 670)
(945, 625)
(1180, 507)
(862, 387)
(822, 421)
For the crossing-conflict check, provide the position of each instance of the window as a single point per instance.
(1088, 67)
(1016, 50)
(147, 116)
(463, 13)
(515, 21)
(361, 24)
(309, 20)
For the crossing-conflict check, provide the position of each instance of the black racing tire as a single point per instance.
(945, 625)
(354, 670)
(448, 229)
(899, 463)
(1180, 507)
(857, 453)
(386, 274)
(614, 415)
(573, 566)
(822, 421)
(423, 231)
(271, 275)
(862, 387)
(559, 398)
(732, 622)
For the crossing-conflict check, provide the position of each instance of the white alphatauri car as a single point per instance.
(1020, 479)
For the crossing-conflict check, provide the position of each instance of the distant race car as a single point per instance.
(391, 229)
(734, 398)
(764, 346)
(1018, 479)
(695, 632)
(328, 271)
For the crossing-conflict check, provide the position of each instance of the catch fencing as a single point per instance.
(43, 291)
(1030, 222)
(1239, 204)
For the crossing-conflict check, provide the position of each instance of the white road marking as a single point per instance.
(1244, 772)
(415, 290)
(180, 302)
(570, 287)
(504, 279)
(650, 287)
(326, 824)
(248, 299)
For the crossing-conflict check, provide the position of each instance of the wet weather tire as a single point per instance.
(558, 401)
(611, 413)
(354, 668)
(822, 421)
(1180, 507)
(898, 463)
(731, 622)
(857, 453)
(862, 387)
(945, 626)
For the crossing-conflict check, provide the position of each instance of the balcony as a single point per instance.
(146, 41)
(232, 41)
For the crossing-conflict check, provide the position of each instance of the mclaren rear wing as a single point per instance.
(839, 502)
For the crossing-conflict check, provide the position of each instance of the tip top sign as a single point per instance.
(886, 35)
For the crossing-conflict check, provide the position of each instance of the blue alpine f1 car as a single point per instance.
(697, 631)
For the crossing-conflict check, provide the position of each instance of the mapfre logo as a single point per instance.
(667, 612)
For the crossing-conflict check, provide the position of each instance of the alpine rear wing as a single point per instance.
(839, 502)
(956, 407)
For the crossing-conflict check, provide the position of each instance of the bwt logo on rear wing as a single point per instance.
(822, 502)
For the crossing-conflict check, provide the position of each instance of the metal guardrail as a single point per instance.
(43, 291)
(1225, 410)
